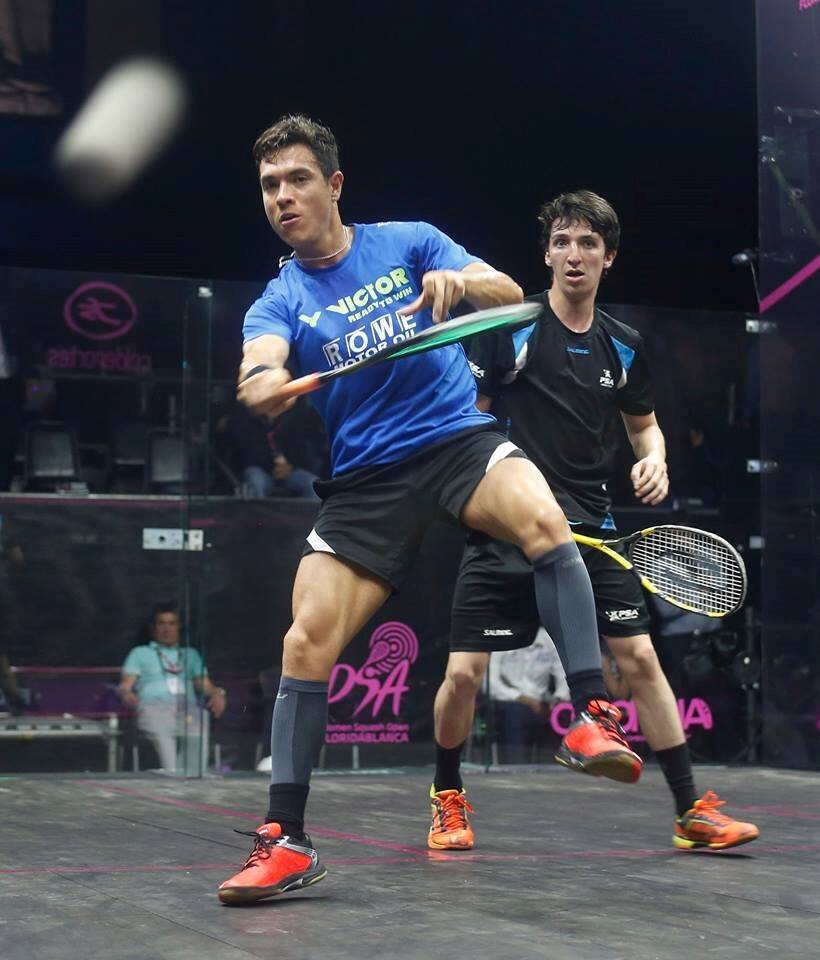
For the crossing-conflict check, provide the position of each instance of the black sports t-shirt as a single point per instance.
(560, 394)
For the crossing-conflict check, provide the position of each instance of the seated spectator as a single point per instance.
(523, 686)
(162, 680)
(11, 558)
(13, 701)
(278, 459)
(704, 466)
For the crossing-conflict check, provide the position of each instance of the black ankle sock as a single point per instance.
(677, 768)
(287, 808)
(586, 685)
(448, 768)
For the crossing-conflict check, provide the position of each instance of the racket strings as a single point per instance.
(691, 568)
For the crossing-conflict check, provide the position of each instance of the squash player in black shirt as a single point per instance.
(560, 385)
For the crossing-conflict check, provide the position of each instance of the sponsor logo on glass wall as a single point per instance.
(99, 311)
(693, 713)
(375, 689)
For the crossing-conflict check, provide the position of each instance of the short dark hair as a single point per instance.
(569, 208)
(165, 606)
(297, 128)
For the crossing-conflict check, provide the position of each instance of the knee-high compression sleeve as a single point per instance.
(566, 607)
(297, 729)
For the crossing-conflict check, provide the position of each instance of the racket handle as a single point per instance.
(300, 386)
(600, 545)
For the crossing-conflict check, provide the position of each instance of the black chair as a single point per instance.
(51, 458)
(166, 462)
(127, 456)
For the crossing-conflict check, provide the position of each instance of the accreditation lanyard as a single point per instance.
(171, 670)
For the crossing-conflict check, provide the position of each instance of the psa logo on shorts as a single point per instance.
(618, 616)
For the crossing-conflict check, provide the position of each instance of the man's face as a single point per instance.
(298, 199)
(166, 629)
(578, 258)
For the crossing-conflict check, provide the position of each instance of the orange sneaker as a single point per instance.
(450, 829)
(705, 826)
(596, 744)
(276, 865)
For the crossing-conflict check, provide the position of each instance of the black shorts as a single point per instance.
(494, 604)
(376, 517)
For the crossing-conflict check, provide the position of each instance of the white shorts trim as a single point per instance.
(501, 451)
(318, 544)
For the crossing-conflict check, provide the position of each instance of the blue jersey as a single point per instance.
(334, 316)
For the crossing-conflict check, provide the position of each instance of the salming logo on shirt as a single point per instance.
(562, 392)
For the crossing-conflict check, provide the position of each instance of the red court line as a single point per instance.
(227, 812)
(412, 854)
(786, 288)
(779, 810)
(157, 868)
(432, 857)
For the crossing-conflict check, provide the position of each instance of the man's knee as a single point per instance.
(545, 529)
(465, 677)
(306, 656)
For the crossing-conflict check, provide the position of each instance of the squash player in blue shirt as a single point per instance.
(408, 445)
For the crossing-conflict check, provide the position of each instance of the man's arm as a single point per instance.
(126, 689)
(216, 696)
(478, 283)
(484, 403)
(487, 287)
(262, 373)
(649, 477)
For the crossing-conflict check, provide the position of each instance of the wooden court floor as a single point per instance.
(565, 867)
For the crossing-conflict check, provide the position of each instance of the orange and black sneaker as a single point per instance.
(276, 865)
(450, 829)
(596, 744)
(705, 826)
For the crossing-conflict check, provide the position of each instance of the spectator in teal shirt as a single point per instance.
(162, 680)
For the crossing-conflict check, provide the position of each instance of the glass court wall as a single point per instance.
(126, 485)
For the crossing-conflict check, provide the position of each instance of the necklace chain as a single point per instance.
(329, 256)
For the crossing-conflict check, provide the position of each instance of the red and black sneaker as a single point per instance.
(596, 744)
(705, 826)
(450, 829)
(276, 865)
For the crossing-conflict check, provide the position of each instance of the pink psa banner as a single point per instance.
(376, 688)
